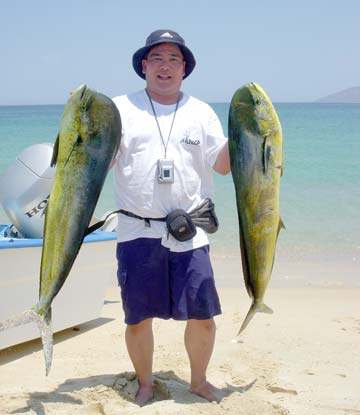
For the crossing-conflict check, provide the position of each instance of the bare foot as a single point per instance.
(208, 391)
(144, 395)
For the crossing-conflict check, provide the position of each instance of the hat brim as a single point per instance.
(140, 54)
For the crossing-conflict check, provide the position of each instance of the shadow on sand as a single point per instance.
(99, 389)
(13, 353)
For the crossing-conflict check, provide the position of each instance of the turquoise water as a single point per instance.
(320, 187)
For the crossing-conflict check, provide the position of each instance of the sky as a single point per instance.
(297, 51)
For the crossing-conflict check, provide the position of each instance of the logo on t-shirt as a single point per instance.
(187, 140)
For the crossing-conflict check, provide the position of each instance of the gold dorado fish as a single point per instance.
(88, 140)
(256, 156)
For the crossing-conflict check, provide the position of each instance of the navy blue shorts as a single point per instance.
(156, 282)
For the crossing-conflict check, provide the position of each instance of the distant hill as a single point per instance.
(349, 95)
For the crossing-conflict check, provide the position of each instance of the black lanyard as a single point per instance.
(157, 121)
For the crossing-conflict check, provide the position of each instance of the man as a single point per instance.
(170, 143)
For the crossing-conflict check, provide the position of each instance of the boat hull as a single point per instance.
(80, 300)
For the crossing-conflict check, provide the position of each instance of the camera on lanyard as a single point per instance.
(165, 171)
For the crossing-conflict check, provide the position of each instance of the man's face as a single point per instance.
(164, 68)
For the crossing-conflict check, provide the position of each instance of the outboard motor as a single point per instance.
(25, 189)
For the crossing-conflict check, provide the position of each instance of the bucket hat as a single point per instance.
(163, 36)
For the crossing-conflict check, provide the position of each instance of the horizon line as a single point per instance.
(208, 102)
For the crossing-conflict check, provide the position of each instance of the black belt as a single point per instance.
(202, 216)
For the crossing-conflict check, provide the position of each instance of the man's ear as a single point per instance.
(143, 65)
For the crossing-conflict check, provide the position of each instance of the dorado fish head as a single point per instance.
(88, 117)
(251, 110)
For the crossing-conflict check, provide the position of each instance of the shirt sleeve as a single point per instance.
(215, 137)
(118, 101)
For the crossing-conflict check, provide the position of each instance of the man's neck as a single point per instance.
(164, 99)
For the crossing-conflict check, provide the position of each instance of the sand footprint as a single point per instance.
(126, 385)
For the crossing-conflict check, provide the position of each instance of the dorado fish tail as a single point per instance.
(18, 320)
(255, 308)
(44, 326)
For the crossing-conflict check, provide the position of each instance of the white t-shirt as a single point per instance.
(195, 140)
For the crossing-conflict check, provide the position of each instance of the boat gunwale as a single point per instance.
(11, 243)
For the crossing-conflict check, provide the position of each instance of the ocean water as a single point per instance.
(319, 196)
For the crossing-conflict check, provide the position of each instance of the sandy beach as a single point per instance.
(303, 359)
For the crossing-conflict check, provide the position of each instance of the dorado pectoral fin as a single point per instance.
(255, 308)
(280, 226)
(55, 152)
(266, 155)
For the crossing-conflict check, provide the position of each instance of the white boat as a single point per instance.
(24, 191)
(81, 298)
